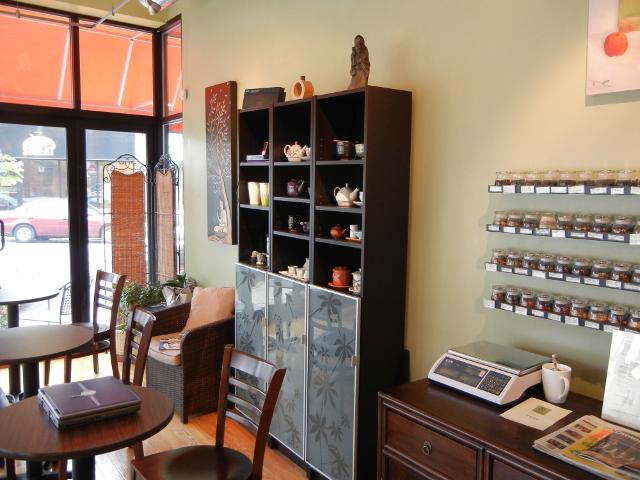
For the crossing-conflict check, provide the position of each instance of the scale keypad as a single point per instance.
(494, 382)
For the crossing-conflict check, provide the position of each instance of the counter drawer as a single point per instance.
(430, 449)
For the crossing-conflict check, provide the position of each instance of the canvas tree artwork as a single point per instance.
(221, 152)
(613, 49)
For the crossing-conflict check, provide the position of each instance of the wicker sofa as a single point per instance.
(192, 381)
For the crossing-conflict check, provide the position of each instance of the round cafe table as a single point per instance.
(27, 433)
(13, 298)
(28, 346)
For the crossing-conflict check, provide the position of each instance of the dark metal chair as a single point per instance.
(219, 462)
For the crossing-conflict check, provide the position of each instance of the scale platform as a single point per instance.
(492, 372)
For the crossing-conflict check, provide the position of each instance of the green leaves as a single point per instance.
(11, 171)
(136, 294)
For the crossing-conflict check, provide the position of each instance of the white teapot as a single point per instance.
(345, 196)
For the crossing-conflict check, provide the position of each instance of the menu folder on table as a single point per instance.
(87, 401)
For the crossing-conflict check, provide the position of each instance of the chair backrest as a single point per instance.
(106, 297)
(136, 344)
(261, 413)
(65, 301)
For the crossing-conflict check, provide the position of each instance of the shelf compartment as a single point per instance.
(288, 249)
(253, 229)
(566, 319)
(286, 233)
(564, 277)
(573, 190)
(329, 177)
(341, 243)
(338, 117)
(629, 239)
(253, 131)
(327, 255)
(341, 163)
(292, 199)
(254, 207)
(291, 123)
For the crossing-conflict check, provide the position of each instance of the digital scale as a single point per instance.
(489, 371)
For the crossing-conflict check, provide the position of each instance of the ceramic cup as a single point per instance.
(353, 230)
(361, 196)
(264, 194)
(292, 269)
(556, 383)
(261, 259)
(359, 150)
(300, 272)
(254, 193)
(293, 222)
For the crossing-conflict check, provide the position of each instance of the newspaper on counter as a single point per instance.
(602, 448)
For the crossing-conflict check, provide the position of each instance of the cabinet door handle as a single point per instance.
(427, 448)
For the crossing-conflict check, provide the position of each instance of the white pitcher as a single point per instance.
(254, 193)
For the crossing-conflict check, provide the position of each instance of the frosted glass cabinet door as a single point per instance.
(251, 297)
(333, 320)
(286, 312)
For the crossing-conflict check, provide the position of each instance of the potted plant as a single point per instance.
(135, 294)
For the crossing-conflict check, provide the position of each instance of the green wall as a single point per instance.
(497, 85)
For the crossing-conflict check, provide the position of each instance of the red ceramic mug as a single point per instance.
(341, 276)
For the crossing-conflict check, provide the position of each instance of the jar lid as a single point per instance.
(564, 260)
(531, 256)
(579, 302)
(565, 217)
(602, 219)
(547, 258)
(636, 269)
(528, 294)
(605, 172)
(500, 214)
(584, 218)
(562, 301)
(514, 290)
(514, 254)
(567, 173)
(499, 288)
(623, 220)
(599, 307)
(582, 262)
(545, 297)
(602, 264)
(622, 267)
(619, 310)
(585, 173)
(548, 215)
(515, 214)
(635, 313)
(499, 251)
(535, 215)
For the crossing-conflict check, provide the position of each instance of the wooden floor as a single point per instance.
(200, 430)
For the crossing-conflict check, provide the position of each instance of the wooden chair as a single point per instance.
(136, 346)
(219, 462)
(8, 463)
(106, 300)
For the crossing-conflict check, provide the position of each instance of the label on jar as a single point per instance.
(537, 313)
(617, 190)
(594, 325)
(490, 267)
(595, 236)
(525, 231)
(495, 188)
(635, 191)
(509, 229)
(543, 231)
(506, 269)
(632, 286)
(558, 233)
(493, 228)
(508, 189)
(521, 271)
(634, 239)
(612, 237)
(578, 234)
(613, 284)
(576, 189)
(556, 275)
(554, 316)
(543, 189)
(488, 303)
(527, 189)
(571, 320)
(592, 281)
(521, 310)
(538, 274)
(610, 328)
(558, 189)
(507, 307)
(572, 279)
(598, 191)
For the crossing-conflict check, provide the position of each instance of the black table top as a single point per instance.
(9, 296)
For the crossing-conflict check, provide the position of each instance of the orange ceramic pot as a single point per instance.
(341, 276)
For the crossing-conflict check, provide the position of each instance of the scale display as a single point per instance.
(461, 371)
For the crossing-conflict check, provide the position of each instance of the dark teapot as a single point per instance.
(295, 187)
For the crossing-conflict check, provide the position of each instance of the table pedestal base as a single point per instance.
(84, 468)
(13, 320)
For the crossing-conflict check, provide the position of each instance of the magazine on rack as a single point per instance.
(602, 448)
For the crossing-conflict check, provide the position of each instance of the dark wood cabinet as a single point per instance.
(426, 431)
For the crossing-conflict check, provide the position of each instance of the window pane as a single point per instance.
(172, 134)
(116, 70)
(36, 58)
(172, 44)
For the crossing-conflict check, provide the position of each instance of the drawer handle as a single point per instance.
(426, 448)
